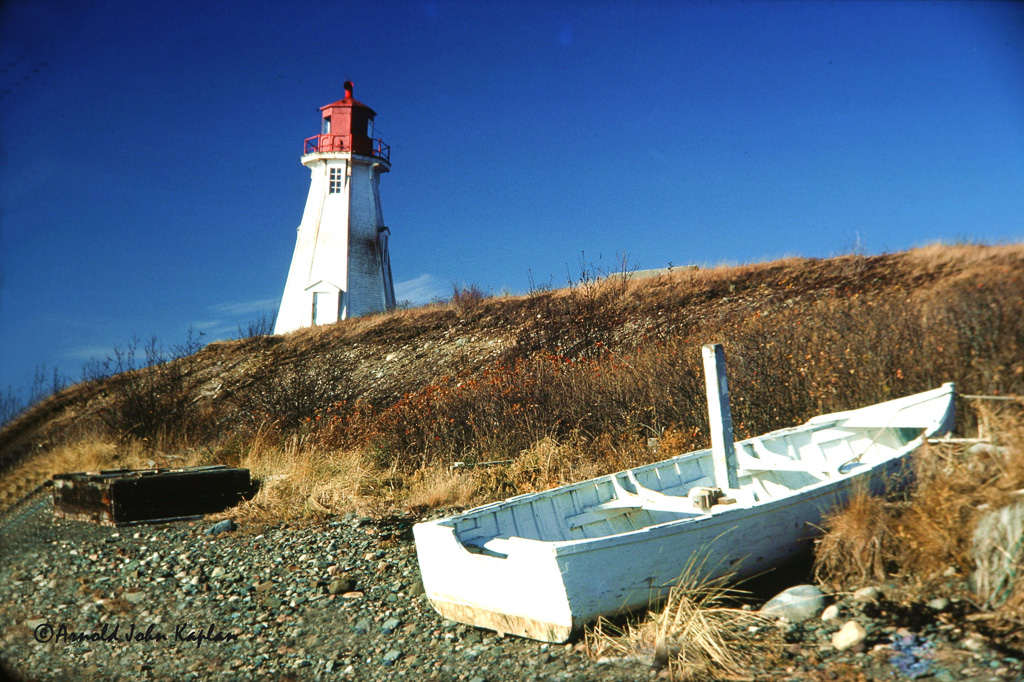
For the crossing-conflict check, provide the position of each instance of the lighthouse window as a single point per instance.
(327, 125)
(336, 181)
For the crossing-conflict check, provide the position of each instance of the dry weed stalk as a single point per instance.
(859, 542)
(696, 635)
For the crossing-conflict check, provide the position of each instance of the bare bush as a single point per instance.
(466, 300)
(258, 326)
(11, 405)
(293, 397)
(152, 392)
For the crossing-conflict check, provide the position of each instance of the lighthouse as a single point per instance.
(340, 267)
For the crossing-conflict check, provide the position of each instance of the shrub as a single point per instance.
(293, 397)
(466, 300)
(153, 399)
(258, 326)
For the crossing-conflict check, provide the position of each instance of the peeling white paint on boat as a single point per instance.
(541, 565)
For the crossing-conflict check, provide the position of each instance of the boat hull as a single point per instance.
(546, 580)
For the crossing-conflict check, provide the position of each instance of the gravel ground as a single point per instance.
(342, 600)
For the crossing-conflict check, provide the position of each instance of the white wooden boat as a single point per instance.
(541, 565)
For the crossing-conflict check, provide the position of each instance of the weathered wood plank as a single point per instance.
(126, 496)
(723, 451)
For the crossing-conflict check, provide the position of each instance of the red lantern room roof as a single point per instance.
(349, 101)
(347, 126)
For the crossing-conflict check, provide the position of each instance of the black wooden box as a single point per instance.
(125, 496)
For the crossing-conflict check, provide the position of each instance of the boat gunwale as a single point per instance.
(811, 490)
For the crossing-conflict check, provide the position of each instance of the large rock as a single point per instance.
(796, 604)
(998, 551)
(225, 526)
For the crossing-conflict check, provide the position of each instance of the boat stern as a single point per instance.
(516, 589)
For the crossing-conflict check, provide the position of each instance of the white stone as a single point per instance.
(974, 643)
(849, 636)
(830, 613)
(796, 604)
(867, 594)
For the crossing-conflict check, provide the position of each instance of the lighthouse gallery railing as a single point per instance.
(337, 143)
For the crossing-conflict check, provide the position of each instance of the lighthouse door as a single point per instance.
(325, 307)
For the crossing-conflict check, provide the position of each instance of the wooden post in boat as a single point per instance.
(720, 417)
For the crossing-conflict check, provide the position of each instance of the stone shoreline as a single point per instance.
(341, 599)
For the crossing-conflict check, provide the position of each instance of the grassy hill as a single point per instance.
(372, 413)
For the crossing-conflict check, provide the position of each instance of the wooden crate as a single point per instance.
(126, 496)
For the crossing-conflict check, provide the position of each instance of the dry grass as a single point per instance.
(300, 480)
(99, 453)
(440, 487)
(935, 529)
(696, 635)
(548, 464)
(923, 537)
(859, 544)
(569, 383)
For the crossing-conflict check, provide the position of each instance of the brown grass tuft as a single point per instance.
(922, 538)
(859, 543)
(696, 635)
(548, 464)
(99, 453)
(439, 487)
(300, 480)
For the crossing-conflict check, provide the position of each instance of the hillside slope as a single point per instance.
(594, 369)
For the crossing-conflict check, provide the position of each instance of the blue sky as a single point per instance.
(150, 177)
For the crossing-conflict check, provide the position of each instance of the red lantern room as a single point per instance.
(347, 126)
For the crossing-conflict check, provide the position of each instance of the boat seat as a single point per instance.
(643, 499)
(767, 460)
(495, 547)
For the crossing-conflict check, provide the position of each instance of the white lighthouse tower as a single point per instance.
(340, 267)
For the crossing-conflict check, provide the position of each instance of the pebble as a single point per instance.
(830, 613)
(867, 594)
(271, 586)
(973, 643)
(340, 586)
(135, 597)
(850, 635)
